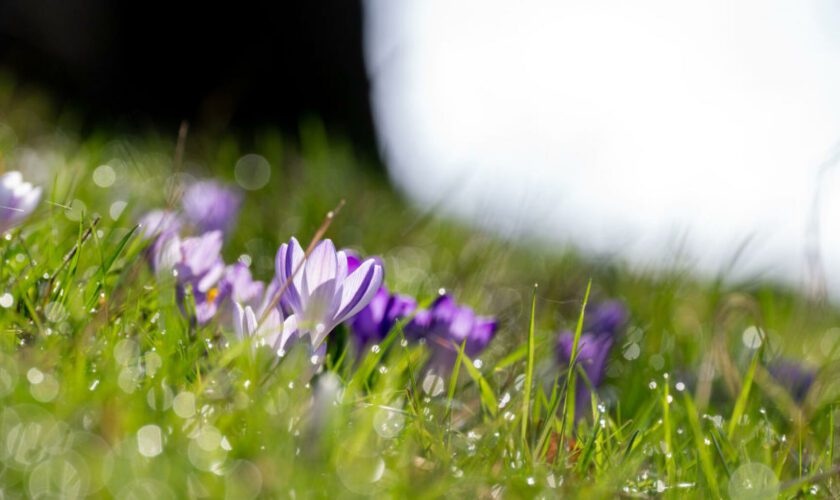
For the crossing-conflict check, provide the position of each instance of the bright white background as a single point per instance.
(641, 130)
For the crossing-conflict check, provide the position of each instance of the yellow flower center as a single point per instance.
(212, 294)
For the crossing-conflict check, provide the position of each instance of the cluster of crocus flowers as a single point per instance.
(600, 330)
(309, 295)
(445, 326)
(196, 262)
(17, 199)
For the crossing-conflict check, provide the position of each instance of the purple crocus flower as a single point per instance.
(162, 226)
(373, 323)
(594, 346)
(794, 377)
(241, 286)
(323, 293)
(17, 199)
(446, 325)
(608, 317)
(211, 206)
(201, 268)
(593, 351)
(273, 331)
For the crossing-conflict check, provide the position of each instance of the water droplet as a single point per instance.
(6, 300)
(504, 400)
(752, 337)
(753, 481)
(184, 404)
(374, 348)
(478, 363)
(116, 209)
(680, 386)
(652, 385)
(433, 384)
(252, 172)
(632, 351)
(104, 176)
(149, 441)
(34, 376)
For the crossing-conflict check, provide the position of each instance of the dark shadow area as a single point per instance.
(221, 66)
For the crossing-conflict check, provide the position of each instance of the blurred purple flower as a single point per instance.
(241, 286)
(324, 293)
(162, 226)
(211, 206)
(794, 377)
(608, 317)
(200, 268)
(445, 325)
(601, 327)
(373, 323)
(17, 199)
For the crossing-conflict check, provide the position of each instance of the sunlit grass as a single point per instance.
(106, 389)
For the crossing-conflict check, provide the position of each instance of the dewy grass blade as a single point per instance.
(529, 372)
(706, 464)
(570, 393)
(743, 396)
(453, 379)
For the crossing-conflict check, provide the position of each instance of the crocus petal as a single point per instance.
(321, 266)
(211, 276)
(239, 321)
(358, 289)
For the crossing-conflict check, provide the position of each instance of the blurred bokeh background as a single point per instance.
(701, 136)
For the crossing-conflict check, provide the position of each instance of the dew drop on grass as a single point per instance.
(116, 209)
(680, 386)
(433, 384)
(388, 423)
(632, 351)
(652, 385)
(374, 348)
(55, 312)
(752, 337)
(104, 176)
(478, 363)
(753, 481)
(149, 441)
(35, 376)
(504, 400)
(6, 300)
(184, 404)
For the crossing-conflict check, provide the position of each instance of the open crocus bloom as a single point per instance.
(200, 266)
(323, 293)
(211, 206)
(17, 199)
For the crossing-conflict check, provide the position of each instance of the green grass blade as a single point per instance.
(529, 372)
(743, 396)
(570, 397)
(705, 458)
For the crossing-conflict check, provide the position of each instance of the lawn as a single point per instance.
(110, 385)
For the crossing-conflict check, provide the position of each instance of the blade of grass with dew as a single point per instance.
(488, 399)
(529, 372)
(453, 379)
(743, 396)
(570, 398)
(706, 464)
